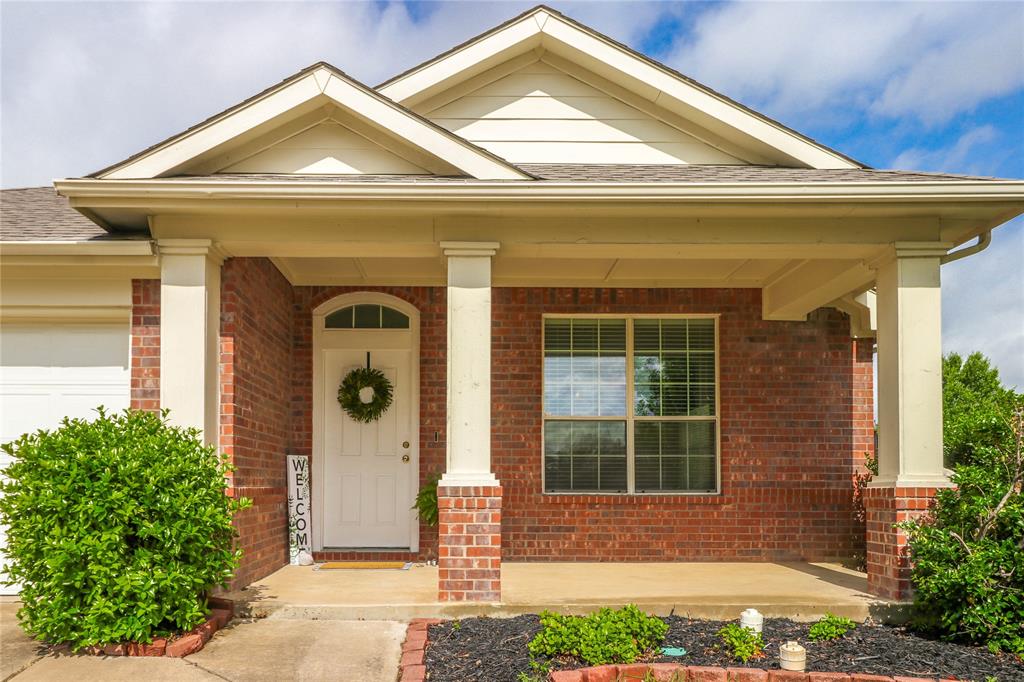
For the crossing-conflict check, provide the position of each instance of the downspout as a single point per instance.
(984, 240)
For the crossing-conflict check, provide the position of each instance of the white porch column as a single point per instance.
(190, 333)
(910, 368)
(469, 364)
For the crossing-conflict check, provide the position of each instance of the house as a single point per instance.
(626, 317)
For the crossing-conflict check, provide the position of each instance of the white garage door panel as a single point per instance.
(48, 372)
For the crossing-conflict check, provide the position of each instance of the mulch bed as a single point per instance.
(494, 650)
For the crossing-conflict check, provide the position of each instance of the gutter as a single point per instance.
(983, 242)
(144, 190)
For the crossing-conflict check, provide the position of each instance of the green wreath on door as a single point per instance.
(365, 394)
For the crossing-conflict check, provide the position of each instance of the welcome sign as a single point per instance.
(298, 508)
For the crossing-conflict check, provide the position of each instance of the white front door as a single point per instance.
(368, 468)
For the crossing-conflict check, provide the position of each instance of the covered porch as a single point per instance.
(799, 279)
(720, 591)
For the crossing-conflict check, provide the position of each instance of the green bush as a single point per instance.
(117, 528)
(742, 643)
(974, 407)
(426, 501)
(830, 627)
(606, 636)
(968, 554)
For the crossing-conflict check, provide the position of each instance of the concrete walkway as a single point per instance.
(705, 590)
(304, 651)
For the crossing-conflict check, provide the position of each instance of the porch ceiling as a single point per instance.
(523, 270)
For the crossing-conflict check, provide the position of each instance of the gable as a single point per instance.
(326, 148)
(626, 75)
(541, 114)
(273, 130)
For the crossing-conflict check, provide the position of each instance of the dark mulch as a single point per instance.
(494, 650)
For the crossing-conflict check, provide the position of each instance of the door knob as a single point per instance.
(405, 458)
(405, 444)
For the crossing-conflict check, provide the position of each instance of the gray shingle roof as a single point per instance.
(586, 172)
(605, 172)
(40, 214)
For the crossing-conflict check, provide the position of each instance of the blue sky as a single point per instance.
(930, 86)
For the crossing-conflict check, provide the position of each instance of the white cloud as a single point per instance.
(928, 60)
(983, 303)
(88, 84)
(960, 157)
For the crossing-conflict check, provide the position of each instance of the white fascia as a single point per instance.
(84, 189)
(134, 247)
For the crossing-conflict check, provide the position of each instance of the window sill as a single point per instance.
(711, 498)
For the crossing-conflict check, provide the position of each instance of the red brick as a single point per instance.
(859, 677)
(184, 645)
(668, 672)
(412, 658)
(414, 673)
(747, 675)
(155, 648)
(221, 617)
(828, 677)
(115, 649)
(700, 673)
(566, 676)
(786, 676)
(602, 673)
(914, 679)
(631, 673)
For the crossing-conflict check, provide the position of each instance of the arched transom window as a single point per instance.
(367, 316)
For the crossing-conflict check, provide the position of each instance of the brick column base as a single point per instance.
(888, 561)
(469, 543)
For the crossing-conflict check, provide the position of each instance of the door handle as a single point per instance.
(405, 458)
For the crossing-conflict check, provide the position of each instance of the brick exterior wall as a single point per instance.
(888, 562)
(433, 307)
(796, 417)
(145, 353)
(469, 551)
(255, 425)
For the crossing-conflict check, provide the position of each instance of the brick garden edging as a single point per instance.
(412, 668)
(184, 645)
(675, 672)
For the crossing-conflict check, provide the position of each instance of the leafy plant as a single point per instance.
(968, 554)
(830, 627)
(973, 398)
(116, 528)
(426, 500)
(606, 636)
(742, 643)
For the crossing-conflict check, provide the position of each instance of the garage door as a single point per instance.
(49, 371)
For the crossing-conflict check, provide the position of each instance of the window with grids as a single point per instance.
(630, 405)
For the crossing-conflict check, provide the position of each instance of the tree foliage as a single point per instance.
(968, 554)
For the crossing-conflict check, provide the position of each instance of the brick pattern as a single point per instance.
(412, 668)
(675, 672)
(255, 425)
(433, 308)
(145, 353)
(469, 543)
(183, 645)
(796, 418)
(888, 561)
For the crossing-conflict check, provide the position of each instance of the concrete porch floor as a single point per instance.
(802, 591)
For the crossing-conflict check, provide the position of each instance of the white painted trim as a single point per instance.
(65, 314)
(148, 191)
(78, 248)
(319, 313)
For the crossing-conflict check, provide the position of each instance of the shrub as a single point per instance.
(116, 528)
(830, 627)
(606, 636)
(742, 643)
(968, 554)
(974, 407)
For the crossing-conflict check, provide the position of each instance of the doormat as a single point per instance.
(338, 565)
